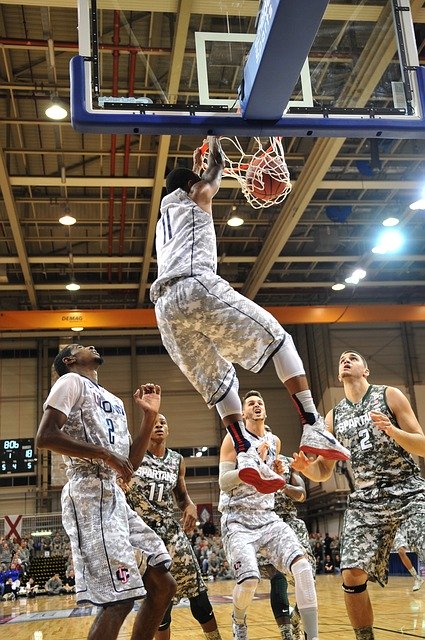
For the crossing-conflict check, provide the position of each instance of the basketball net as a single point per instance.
(258, 172)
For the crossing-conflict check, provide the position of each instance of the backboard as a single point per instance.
(307, 68)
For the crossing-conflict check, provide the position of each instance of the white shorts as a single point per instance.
(206, 326)
(276, 541)
(111, 545)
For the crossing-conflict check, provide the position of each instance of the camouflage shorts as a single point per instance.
(411, 536)
(204, 315)
(370, 524)
(299, 528)
(105, 535)
(185, 568)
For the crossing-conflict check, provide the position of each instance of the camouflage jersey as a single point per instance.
(185, 241)
(151, 490)
(244, 504)
(377, 461)
(94, 415)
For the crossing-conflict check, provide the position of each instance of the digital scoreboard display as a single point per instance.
(17, 456)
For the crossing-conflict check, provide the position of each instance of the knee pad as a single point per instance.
(358, 588)
(305, 591)
(279, 595)
(166, 620)
(243, 593)
(201, 608)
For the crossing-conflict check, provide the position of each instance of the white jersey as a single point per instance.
(244, 504)
(185, 241)
(94, 415)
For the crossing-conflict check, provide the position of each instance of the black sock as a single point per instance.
(236, 432)
(306, 417)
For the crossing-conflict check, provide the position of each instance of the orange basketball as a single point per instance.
(262, 180)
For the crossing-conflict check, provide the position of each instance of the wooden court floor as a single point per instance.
(399, 613)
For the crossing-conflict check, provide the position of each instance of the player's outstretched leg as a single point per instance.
(316, 439)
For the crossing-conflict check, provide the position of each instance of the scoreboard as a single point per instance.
(17, 456)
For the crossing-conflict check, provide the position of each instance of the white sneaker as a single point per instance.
(316, 439)
(240, 631)
(418, 583)
(252, 470)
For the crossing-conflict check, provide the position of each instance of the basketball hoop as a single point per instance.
(263, 174)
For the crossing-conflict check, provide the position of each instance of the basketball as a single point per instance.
(267, 177)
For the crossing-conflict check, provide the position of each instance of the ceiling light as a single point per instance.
(359, 274)
(198, 454)
(339, 286)
(67, 220)
(56, 110)
(419, 204)
(390, 222)
(389, 241)
(352, 280)
(77, 328)
(235, 221)
(379, 249)
(72, 286)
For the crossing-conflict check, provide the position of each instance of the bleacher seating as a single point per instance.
(42, 569)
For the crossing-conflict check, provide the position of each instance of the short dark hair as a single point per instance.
(252, 392)
(178, 179)
(60, 367)
(357, 353)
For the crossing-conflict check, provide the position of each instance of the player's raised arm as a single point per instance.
(148, 398)
(202, 192)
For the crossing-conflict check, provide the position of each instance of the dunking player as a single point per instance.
(379, 427)
(249, 525)
(88, 425)
(159, 475)
(206, 325)
(406, 541)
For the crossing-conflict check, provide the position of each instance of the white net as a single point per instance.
(262, 174)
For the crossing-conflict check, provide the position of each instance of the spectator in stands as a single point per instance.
(9, 592)
(6, 554)
(23, 555)
(37, 548)
(337, 563)
(328, 566)
(213, 566)
(57, 545)
(31, 588)
(208, 527)
(334, 546)
(327, 544)
(225, 572)
(46, 547)
(14, 573)
(54, 585)
(69, 583)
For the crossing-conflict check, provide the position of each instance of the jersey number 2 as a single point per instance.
(365, 442)
(111, 430)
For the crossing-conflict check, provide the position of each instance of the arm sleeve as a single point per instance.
(228, 477)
